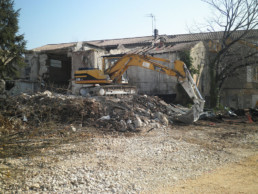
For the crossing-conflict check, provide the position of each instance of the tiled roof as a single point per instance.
(148, 40)
(169, 38)
(207, 36)
(49, 47)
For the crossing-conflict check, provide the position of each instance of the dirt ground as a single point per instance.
(205, 157)
(233, 177)
(241, 177)
(126, 145)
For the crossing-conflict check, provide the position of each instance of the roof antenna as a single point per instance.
(153, 20)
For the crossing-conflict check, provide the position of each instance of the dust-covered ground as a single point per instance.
(43, 153)
(240, 177)
(150, 162)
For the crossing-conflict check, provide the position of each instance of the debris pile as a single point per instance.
(232, 115)
(126, 113)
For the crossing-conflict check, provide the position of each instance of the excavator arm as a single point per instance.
(180, 71)
(147, 62)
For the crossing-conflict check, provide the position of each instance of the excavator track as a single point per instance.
(108, 90)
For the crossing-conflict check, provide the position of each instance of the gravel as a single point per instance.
(114, 164)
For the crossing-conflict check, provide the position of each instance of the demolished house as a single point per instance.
(54, 65)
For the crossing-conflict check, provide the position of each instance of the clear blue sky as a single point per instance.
(59, 21)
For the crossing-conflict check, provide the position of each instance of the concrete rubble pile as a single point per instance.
(125, 113)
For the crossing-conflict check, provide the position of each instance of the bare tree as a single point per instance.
(237, 21)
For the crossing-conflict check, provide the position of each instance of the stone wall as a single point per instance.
(240, 91)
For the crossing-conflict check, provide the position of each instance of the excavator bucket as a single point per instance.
(190, 117)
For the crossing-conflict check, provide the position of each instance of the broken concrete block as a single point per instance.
(163, 102)
(165, 121)
(145, 120)
(73, 128)
(162, 118)
(105, 117)
(123, 125)
(47, 93)
(129, 121)
(155, 125)
(137, 122)
(158, 115)
(24, 119)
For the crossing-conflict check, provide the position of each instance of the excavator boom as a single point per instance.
(147, 62)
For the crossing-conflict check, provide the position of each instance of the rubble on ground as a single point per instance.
(231, 115)
(125, 113)
(108, 113)
(73, 161)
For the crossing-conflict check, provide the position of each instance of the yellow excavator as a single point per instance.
(109, 81)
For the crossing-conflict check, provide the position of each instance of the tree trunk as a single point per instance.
(214, 87)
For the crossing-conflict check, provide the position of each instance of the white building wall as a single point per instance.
(151, 82)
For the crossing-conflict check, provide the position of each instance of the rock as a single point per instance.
(163, 102)
(122, 126)
(105, 117)
(163, 119)
(131, 127)
(47, 93)
(73, 128)
(25, 118)
(138, 122)
(158, 115)
(155, 125)
(35, 186)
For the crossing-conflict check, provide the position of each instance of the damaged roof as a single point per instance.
(156, 49)
(172, 43)
(49, 47)
(123, 41)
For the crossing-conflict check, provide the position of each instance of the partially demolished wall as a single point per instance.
(83, 55)
(31, 75)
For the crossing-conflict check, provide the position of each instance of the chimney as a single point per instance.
(156, 33)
